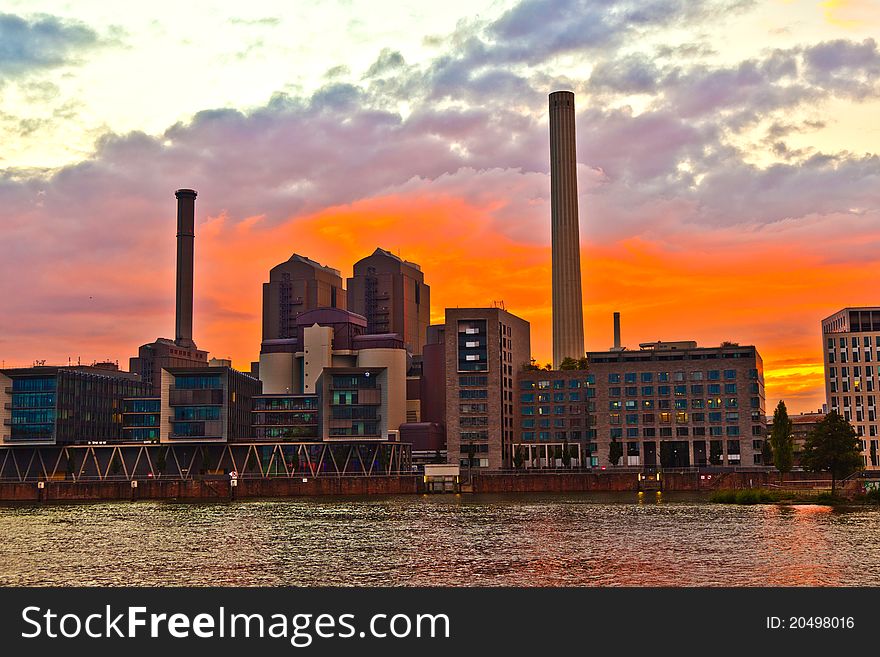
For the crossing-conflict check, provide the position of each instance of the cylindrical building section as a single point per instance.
(186, 219)
(568, 322)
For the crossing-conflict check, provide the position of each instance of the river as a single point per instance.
(440, 540)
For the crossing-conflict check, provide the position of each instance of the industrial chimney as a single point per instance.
(568, 320)
(186, 217)
(616, 346)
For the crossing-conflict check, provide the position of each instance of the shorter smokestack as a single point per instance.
(186, 221)
(617, 331)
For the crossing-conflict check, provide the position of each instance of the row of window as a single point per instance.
(855, 341)
(663, 377)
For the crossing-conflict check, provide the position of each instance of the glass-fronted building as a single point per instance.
(65, 405)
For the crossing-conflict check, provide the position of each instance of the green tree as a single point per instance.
(568, 363)
(615, 451)
(781, 440)
(832, 446)
(582, 363)
(518, 457)
(566, 454)
(767, 451)
(161, 463)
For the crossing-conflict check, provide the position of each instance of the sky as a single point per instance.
(728, 168)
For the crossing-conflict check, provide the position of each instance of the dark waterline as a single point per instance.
(485, 540)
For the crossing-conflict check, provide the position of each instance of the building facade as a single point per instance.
(294, 287)
(851, 353)
(195, 404)
(555, 417)
(65, 405)
(391, 294)
(485, 348)
(676, 405)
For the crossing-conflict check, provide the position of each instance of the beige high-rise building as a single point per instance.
(851, 351)
(568, 319)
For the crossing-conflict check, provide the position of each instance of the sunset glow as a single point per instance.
(728, 166)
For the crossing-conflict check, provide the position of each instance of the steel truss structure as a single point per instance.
(185, 461)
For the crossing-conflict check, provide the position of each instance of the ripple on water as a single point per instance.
(538, 540)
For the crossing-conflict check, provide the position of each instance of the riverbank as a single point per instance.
(223, 488)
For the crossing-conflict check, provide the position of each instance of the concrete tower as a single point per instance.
(568, 321)
(186, 219)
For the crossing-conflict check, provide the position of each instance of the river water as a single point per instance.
(441, 540)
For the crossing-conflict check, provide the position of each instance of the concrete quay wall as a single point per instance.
(221, 489)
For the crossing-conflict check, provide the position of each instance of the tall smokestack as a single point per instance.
(617, 331)
(186, 219)
(568, 319)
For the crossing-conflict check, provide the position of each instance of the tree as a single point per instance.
(832, 446)
(582, 363)
(518, 457)
(615, 451)
(781, 441)
(438, 457)
(568, 363)
(767, 451)
(161, 463)
(566, 454)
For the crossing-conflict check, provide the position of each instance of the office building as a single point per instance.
(195, 404)
(674, 404)
(851, 351)
(555, 412)
(484, 350)
(71, 405)
(391, 294)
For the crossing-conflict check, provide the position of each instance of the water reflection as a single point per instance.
(540, 540)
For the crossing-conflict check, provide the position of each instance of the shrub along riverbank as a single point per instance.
(765, 496)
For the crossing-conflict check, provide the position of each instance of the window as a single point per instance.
(613, 377)
(647, 391)
(729, 374)
(647, 377)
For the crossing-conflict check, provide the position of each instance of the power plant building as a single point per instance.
(297, 286)
(153, 358)
(391, 293)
